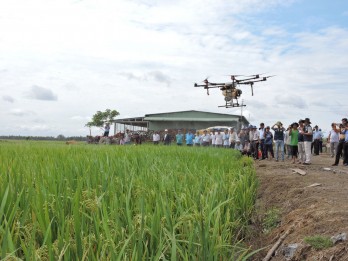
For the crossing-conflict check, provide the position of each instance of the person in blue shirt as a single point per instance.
(189, 138)
(179, 138)
(317, 137)
(198, 139)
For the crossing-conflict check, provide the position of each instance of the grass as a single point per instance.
(271, 219)
(80, 202)
(319, 242)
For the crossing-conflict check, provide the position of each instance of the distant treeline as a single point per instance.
(58, 138)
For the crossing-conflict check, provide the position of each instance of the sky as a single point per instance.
(62, 61)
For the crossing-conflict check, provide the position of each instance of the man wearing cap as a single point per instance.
(166, 138)
(279, 139)
(255, 142)
(307, 140)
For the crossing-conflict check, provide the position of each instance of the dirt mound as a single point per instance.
(313, 204)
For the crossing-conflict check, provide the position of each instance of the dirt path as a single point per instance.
(320, 210)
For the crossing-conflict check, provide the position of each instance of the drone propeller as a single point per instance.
(256, 75)
(265, 78)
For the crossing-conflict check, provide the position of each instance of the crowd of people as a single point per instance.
(298, 142)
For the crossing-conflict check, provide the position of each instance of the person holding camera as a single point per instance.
(342, 144)
(333, 139)
(279, 140)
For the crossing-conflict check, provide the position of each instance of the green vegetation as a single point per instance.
(319, 242)
(271, 219)
(87, 202)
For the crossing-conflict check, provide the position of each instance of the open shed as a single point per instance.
(180, 120)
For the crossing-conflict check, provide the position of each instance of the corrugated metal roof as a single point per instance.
(188, 119)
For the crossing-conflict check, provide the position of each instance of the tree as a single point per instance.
(99, 118)
(60, 137)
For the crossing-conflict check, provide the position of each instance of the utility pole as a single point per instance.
(241, 115)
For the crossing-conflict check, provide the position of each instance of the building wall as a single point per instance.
(195, 125)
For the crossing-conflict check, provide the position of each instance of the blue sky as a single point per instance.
(61, 61)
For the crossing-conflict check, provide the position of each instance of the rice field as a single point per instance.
(90, 202)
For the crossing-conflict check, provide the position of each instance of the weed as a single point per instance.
(319, 242)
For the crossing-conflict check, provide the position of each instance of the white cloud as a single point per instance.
(41, 93)
(8, 98)
(21, 113)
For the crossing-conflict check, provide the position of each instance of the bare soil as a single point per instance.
(309, 211)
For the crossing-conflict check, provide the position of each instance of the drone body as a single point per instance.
(230, 90)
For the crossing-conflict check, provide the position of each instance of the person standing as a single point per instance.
(287, 141)
(293, 133)
(262, 140)
(226, 139)
(156, 138)
(251, 138)
(307, 140)
(106, 129)
(166, 138)
(179, 138)
(345, 147)
(233, 138)
(279, 140)
(341, 142)
(205, 139)
(197, 140)
(218, 138)
(300, 144)
(333, 139)
(212, 138)
(256, 142)
(268, 136)
(189, 138)
(127, 137)
(316, 140)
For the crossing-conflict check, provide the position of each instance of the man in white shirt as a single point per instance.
(218, 138)
(156, 138)
(262, 139)
(233, 138)
(205, 138)
(333, 138)
(256, 142)
(212, 138)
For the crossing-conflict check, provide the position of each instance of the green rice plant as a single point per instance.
(146, 202)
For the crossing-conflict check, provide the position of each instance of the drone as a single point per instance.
(230, 90)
